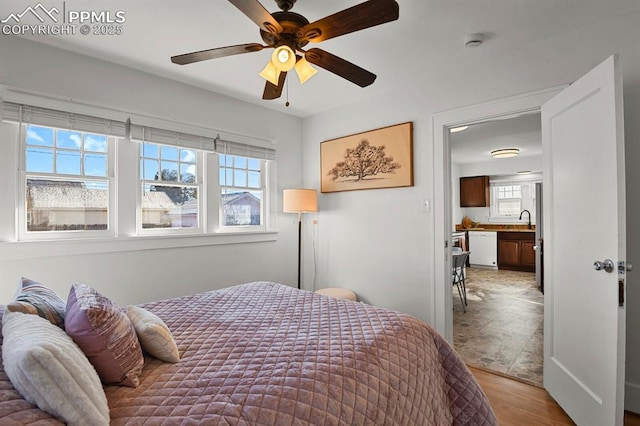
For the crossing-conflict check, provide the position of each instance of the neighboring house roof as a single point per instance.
(157, 200)
(74, 195)
(239, 198)
(61, 196)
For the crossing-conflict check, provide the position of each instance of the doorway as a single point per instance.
(442, 316)
(500, 328)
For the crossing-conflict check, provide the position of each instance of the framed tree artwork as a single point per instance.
(380, 158)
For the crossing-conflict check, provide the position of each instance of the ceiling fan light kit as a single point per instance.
(270, 73)
(288, 32)
(283, 58)
(304, 70)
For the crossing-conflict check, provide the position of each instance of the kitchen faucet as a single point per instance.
(529, 221)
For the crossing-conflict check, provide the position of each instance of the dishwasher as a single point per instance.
(483, 247)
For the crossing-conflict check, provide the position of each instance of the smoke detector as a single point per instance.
(474, 40)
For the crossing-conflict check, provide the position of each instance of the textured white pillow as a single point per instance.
(154, 335)
(48, 369)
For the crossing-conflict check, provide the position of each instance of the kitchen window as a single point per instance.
(509, 198)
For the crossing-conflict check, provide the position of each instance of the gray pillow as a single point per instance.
(49, 370)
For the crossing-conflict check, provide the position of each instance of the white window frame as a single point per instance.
(22, 233)
(265, 166)
(200, 173)
(528, 201)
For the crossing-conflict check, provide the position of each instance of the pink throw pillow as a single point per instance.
(105, 334)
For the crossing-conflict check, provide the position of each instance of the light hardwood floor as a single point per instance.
(516, 403)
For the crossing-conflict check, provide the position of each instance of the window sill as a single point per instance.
(34, 249)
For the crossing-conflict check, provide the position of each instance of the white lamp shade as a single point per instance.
(299, 200)
(304, 70)
(270, 73)
(283, 58)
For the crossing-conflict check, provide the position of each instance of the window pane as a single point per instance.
(42, 136)
(96, 143)
(240, 178)
(240, 162)
(169, 171)
(54, 205)
(68, 139)
(169, 207)
(229, 173)
(187, 155)
(169, 153)
(68, 162)
(254, 164)
(241, 208)
(40, 160)
(95, 164)
(187, 173)
(149, 169)
(150, 150)
(221, 177)
(254, 180)
(509, 207)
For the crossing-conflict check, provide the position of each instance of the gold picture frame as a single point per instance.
(379, 158)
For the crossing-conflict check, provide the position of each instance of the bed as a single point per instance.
(267, 354)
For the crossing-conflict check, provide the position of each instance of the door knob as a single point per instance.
(607, 265)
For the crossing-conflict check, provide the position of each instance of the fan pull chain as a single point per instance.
(287, 103)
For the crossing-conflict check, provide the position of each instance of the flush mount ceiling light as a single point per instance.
(505, 153)
(458, 129)
(474, 40)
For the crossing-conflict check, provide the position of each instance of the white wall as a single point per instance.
(129, 275)
(378, 242)
(632, 146)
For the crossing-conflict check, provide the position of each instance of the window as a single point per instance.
(242, 191)
(509, 198)
(67, 181)
(170, 187)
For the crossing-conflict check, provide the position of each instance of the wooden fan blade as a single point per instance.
(258, 14)
(356, 18)
(203, 55)
(341, 67)
(271, 91)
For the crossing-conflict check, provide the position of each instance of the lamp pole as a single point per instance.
(299, 201)
(299, 245)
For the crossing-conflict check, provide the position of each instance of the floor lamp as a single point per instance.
(299, 201)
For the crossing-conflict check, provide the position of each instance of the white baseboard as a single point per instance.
(632, 397)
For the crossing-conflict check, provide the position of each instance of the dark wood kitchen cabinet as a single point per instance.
(515, 251)
(474, 191)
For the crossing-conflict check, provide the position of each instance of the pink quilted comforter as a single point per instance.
(267, 354)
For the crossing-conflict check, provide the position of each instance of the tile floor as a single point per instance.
(502, 328)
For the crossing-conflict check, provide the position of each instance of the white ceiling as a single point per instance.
(474, 145)
(425, 44)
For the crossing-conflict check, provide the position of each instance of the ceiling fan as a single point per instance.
(289, 32)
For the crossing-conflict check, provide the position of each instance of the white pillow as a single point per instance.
(48, 369)
(154, 335)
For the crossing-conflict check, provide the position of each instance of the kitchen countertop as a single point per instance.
(494, 228)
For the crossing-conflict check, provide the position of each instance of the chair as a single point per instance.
(459, 261)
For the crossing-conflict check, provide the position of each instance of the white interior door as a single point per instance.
(584, 211)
